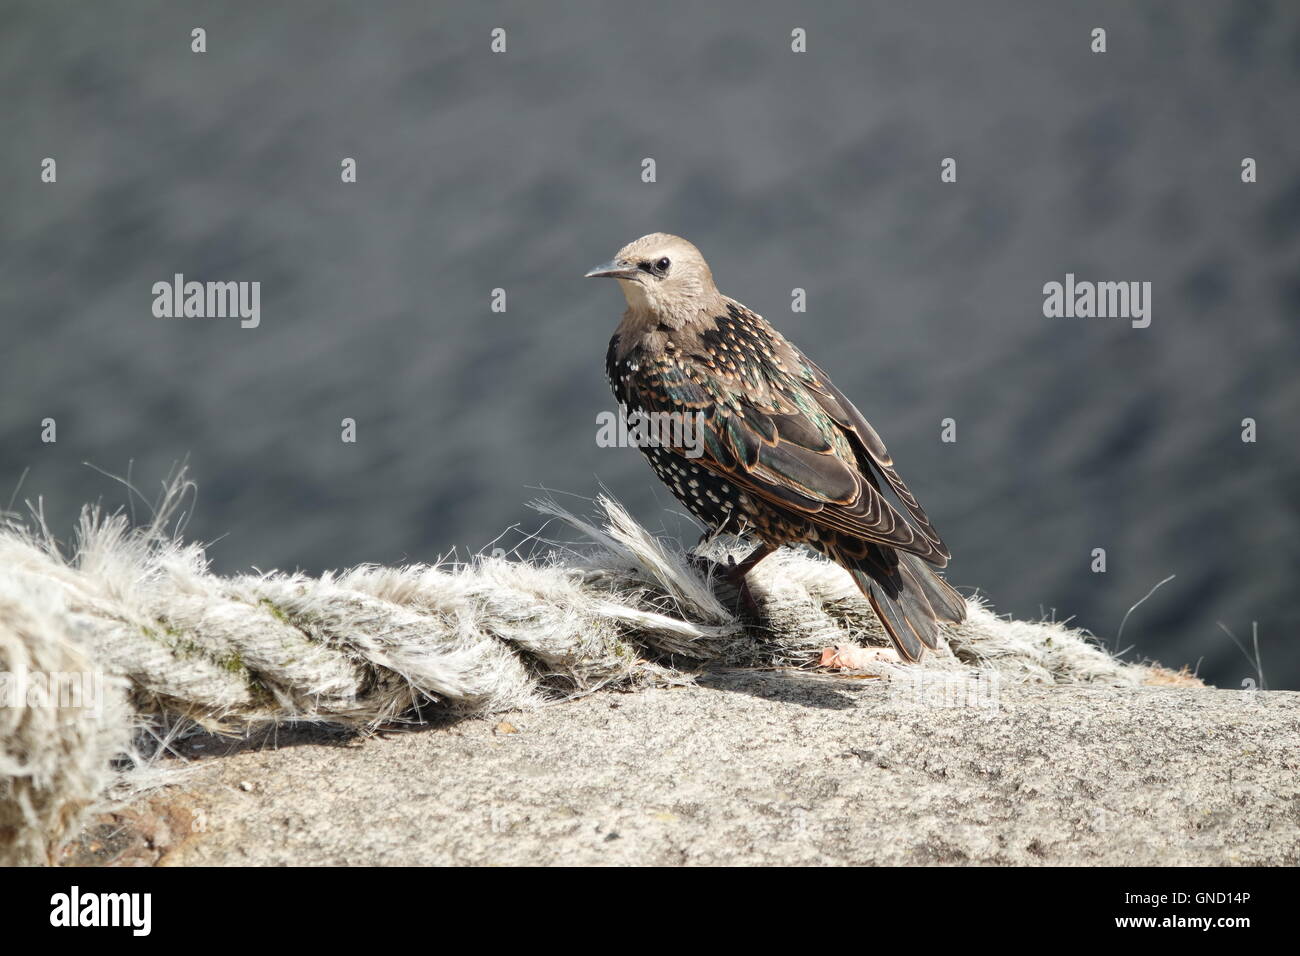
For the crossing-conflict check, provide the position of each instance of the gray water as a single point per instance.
(817, 170)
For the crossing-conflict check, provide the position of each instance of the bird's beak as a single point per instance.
(613, 270)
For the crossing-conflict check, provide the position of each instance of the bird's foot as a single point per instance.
(738, 577)
(748, 602)
(727, 578)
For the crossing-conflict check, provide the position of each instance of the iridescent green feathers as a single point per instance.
(776, 427)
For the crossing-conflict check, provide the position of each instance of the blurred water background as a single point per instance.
(816, 170)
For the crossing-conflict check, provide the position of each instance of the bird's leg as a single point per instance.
(737, 574)
(734, 573)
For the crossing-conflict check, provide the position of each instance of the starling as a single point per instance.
(782, 456)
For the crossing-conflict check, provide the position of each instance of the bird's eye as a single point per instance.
(662, 265)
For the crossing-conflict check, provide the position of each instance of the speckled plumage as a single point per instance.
(785, 457)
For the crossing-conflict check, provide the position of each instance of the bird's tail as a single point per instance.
(909, 597)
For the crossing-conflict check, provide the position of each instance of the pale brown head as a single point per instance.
(661, 274)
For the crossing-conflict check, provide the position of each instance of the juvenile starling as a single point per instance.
(783, 456)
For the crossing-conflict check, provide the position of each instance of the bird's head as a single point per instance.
(660, 273)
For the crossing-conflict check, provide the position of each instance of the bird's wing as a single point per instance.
(852, 421)
(766, 431)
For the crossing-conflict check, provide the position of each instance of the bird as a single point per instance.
(782, 457)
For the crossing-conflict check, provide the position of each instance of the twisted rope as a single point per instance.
(138, 607)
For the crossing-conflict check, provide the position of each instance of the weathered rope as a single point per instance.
(138, 607)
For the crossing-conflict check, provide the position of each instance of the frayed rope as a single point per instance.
(136, 608)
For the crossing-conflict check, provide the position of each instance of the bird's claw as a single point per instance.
(748, 603)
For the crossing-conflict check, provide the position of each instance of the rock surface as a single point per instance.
(765, 767)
